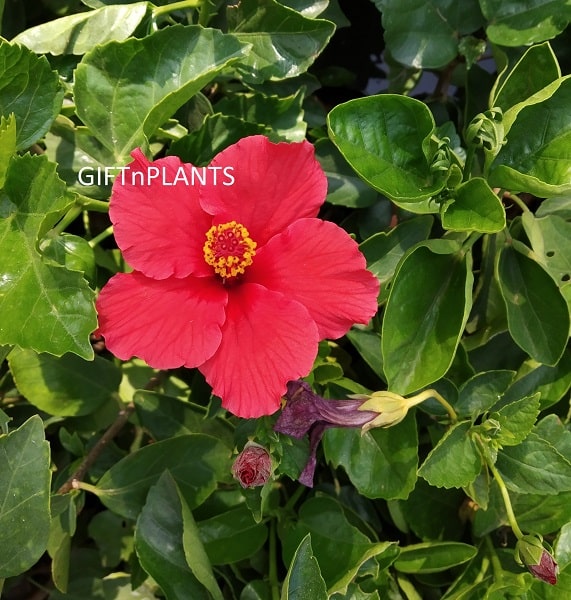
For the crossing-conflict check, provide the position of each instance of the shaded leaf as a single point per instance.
(482, 391)
(303, 580)
(433, 557)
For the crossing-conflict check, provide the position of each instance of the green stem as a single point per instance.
(87, 203)
(82, 485)
(300, 489)
(168, 8)
(67, 220)
(434, 394)
(503, 489)
(273, 566)
(517, 200)
(494, 559)
(205, 13)
(470, 154)
(101, 236)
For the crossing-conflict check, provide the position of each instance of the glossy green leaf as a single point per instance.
(303, 580)
(537, 155)
(67, 386)
(534, 467)
(161, 71)
(384, 250)
(339, 547)
(232, 536)
(386, 139)
(195, 461)
(165, 417)
(30, 90)
(308, 8)
(55, 304)
(24, 497)
(368, 345)
(475, 207)
(344, 188)
(425, 35)
(482, 391)
(79, 33)
(433, 557)
(391, 456)
(7, 144)
(550, 239)
(514, 23)
(536, 69)
(283, 42)
(516, 420)
(425, 315)
(552, 429)
(72, 252)
(455, 461)
(527, 290)
(159, 541)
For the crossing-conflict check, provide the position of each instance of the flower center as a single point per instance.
(229, 249)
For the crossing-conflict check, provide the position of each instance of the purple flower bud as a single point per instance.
(253, 466)
(531, 553)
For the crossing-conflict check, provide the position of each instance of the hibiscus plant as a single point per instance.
(285, 293)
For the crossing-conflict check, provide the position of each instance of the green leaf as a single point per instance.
(386, 139)
(550, 238)
(455, 461)
(303, 580)
(384, 250)
(516, 420)
(391, 453)
(30, 90)
(475, 207)
(55, 304)
(368, 345)
(62, 529)
(536, 69)
(72, 252)
(125, 91)
(534, 467)
(515, 23)
(67, 386)
(232, 536)
(537, 155)
(426, 312)
(425, 35)
(482, 391)
(527, 290)
(161, 548)
(195, 461)
(113, 536)
(7, 144)
(283, 42)
(433, 557)
(24, 497)
(78, 33)
(339, 547)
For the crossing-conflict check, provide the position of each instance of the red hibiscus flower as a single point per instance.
(241, 280)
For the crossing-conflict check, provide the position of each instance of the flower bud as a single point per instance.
(253, 466)
(530, 552)
(391, 408)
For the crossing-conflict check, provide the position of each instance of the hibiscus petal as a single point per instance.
(274, 185)
(158, 224)
(316, 263)
(267, 340)
(168, 323)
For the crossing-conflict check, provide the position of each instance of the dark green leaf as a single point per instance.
(67, 386)
(482, 391)
(368, 344)
(428, 306)
(455, 461)
(475, 207)
(196, 462)
(425, 34)
(78, 33)
(534, 467)
(159, 543)
(232, 536)
(303, 580)
(24, 497)
(386, 139)
(527, 290)
(30, 90)
(284, 43)
(55, 304)
(390, 456)
(62, 528)
(433, 557)
(113, 536)
(125, 91)
(514, 23)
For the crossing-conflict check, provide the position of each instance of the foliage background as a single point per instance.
(445, 131)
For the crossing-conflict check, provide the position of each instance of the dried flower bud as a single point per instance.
(253, 466)
(530, 552)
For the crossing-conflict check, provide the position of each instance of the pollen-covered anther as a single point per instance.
(229, 249)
